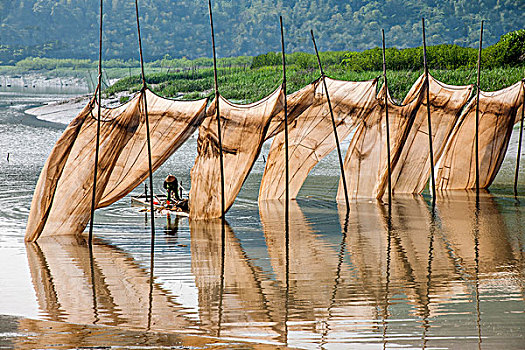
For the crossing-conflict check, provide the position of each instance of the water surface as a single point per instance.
(417, 278)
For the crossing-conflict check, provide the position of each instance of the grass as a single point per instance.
(249, 85)
(244, 84)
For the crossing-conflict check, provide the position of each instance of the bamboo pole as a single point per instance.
(429, 120)
(387, 125)
(519, 144)
(286, 156)
(341, 166)
(217, 95)
(97, 142)
(477, 108)
(287, 188)
(152, 209)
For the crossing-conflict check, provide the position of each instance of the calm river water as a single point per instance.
(453, 279)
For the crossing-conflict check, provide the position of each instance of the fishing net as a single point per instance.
(366, 162)
(171, 123)
(311, 133)
(243, 129)
(412, 170)
(62, 199)
(497, 115)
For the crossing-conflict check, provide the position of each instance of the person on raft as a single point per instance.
(171, 184)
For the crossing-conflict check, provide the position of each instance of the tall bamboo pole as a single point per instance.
(477, 108)
(341, 166)
(152, 209)
(429, 120)
(286, 156)
(221, 162)
(519, 144)
(97, 142)
(287, 187)
(387, 125)
(217, 95)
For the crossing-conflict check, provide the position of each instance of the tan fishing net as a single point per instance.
(311, 133)
(62, 200)
(412, 170)
(171, 124)
(497, 115)
(244, 129)
(366, 162)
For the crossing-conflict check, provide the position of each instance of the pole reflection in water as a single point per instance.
(476, 267)
(393, 277)
(232, 293)
(337, 282)
(106, 287)
(426, 313)
(387, 276)
(151, 268)
(93, 286)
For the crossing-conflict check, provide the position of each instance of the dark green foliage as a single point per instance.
(503, 65)
(267, 59)
(69, 28)
(439, 57)
(509, 51)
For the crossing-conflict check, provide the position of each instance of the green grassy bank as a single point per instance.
(249, 85)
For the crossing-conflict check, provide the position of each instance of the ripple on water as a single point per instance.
(345, 281)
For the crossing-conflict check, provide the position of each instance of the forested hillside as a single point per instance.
(69, 28)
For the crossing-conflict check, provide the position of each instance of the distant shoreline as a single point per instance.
(40, 80)
(60, 110)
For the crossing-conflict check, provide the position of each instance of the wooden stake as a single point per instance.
(429, 120)
(387, 125)
(519, 143)
(97, 142)
(287, 191)
(286, 156)
(152, 209)
(217, 95)
(341, 166)
(477, 109)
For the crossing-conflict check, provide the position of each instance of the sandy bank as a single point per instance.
(64, 111)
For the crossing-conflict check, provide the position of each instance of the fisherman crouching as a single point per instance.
(171, 185)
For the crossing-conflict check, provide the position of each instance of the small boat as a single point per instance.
(160, 204)
(142, 200)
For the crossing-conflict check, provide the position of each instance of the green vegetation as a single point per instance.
(249, 79)
(69, 28)
(503, 64)
(509, 51)
(249, 85)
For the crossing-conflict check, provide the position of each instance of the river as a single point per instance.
(453, 278)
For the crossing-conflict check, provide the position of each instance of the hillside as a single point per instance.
(69, 28)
